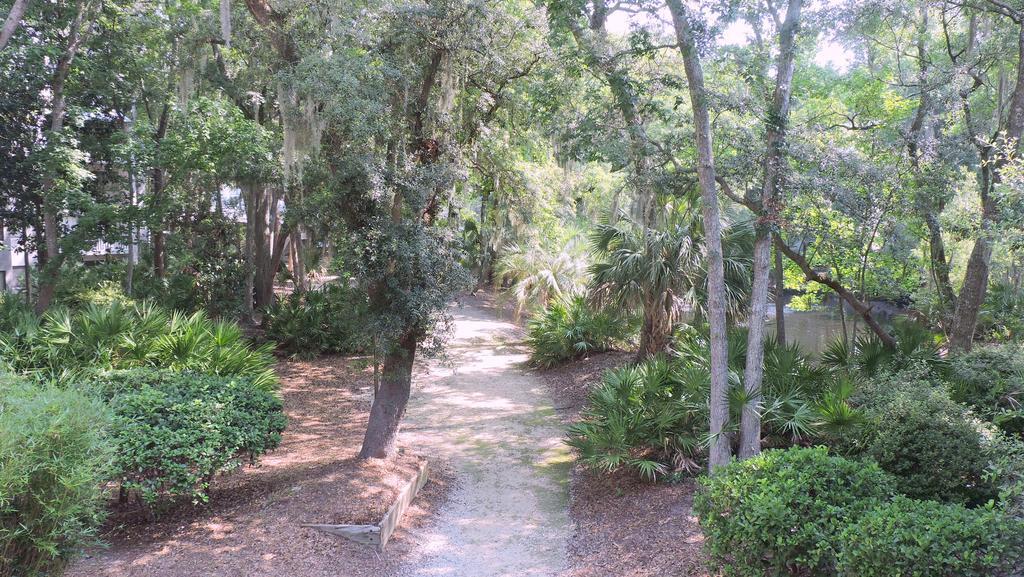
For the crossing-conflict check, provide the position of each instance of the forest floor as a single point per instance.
(504, 497)
(624, 527)
(251, 526)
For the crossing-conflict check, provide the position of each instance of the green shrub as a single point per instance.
(779, 513)
(327, 320)
(174, 431)
(61, 344)
(909, 538)
(990, 380)
(928, 441)
(648, 417)
(54, 457)
(570, 328)
(868, 356)
(653, 418)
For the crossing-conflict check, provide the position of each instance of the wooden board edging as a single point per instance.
(379, 534)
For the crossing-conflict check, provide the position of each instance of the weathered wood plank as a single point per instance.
(367, 534)
(391, 519)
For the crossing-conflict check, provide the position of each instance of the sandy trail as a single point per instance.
(484, 413)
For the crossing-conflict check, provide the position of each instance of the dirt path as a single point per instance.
(485, 414)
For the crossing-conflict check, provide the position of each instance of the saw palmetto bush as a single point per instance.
(570, 328)
(63, 343)
(866, 355)
(652, 417)
(538, 274)
(331, 319)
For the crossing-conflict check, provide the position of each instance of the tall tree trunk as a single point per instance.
(972, 294)
(721, 450)
(249, 251)
(159, 184)
(780, 299)
(390, 400)
(11, 22)
(54, 258)
(774, 169)
(28, 267)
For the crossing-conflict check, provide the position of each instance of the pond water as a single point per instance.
(814, 330)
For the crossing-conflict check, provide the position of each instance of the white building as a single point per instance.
(12, 259)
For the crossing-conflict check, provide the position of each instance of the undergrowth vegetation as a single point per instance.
(63, 343)
(119, 394)
(330, 319)
(55, 455)
(570, 328)
(174, 431)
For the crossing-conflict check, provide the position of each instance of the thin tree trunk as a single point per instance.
(54, 258)
(750, 423)
(159, 183)
(249, 252)
(780, 300)
(11, 22)
(28, 267)
(721, 450)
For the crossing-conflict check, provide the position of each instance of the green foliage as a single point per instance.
(114, 336)
(1002, 314)
(867, 355)
(55, 456)
(780, 513)
(666, 267)
(173, 431)
(908, 538)
(539, 274)
(929, 442)
(652, 417)
(331, 319)
(570, 328)
(990, 380)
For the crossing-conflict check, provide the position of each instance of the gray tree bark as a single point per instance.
(774, 169)
(721, 450)
(11, 22)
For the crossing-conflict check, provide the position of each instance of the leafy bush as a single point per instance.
(54, 458)
(174, 431)
(929, 442)
(990, 380)
(328, 320)
(906, 538)
(1002, 314)
(570, 328)
(60, 344)
(779, 513)
(644, 417)
(653, 417)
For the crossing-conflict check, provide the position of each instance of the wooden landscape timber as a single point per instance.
(378, 535)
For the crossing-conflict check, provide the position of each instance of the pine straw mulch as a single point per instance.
(251, 526)
(624, 527)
